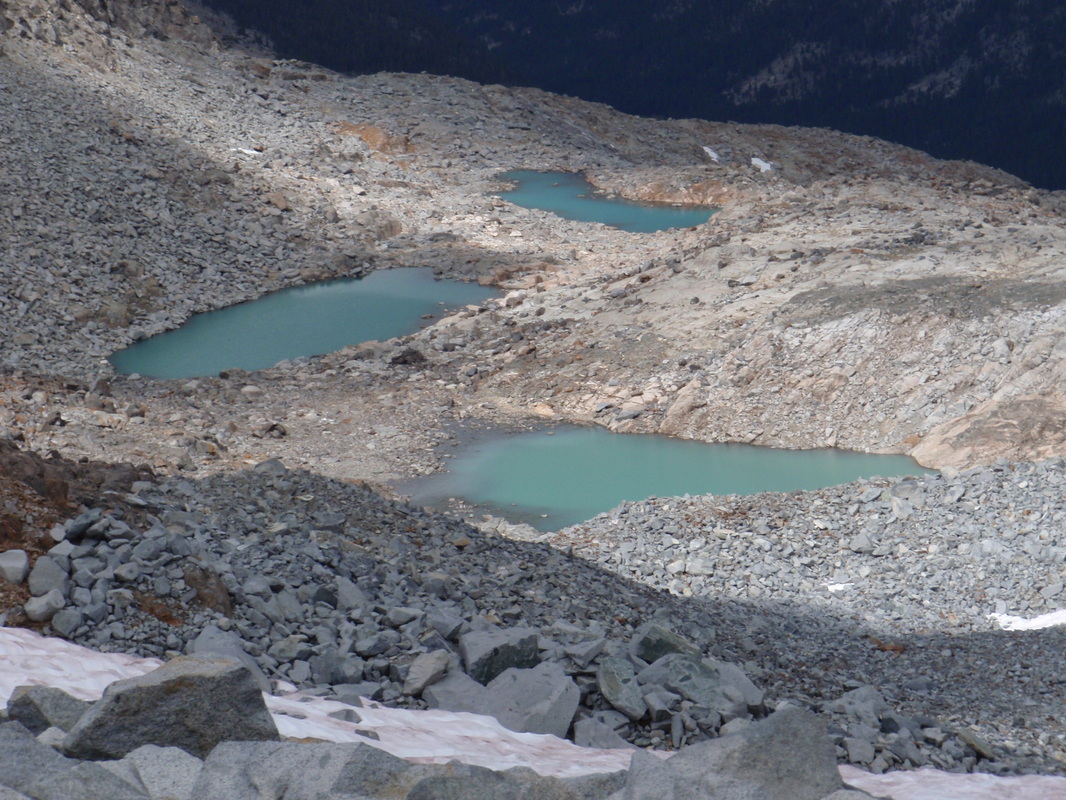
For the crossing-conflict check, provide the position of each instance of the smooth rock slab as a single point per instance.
(167, 772)
(24, 760)
(652, 641)
(618, 685)
(47, 576)
(86, 781)
(189, 703)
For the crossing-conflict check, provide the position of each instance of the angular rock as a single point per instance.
(189, 703)
(652, 641)
(168, 773)
(24, 760)
(86, 781)
(42, 609)
(539, 700)
(217, 643)
(43, 707)
(47, 576)
(590, 732)
(67, 621)
(703, 684)
(14, 566)
(864, 704)
(617, 681)
(486, 654)
(786, 756)
(426, 670)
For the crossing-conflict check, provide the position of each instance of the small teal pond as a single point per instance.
(559, 478)
(303, 321)
(572, 197)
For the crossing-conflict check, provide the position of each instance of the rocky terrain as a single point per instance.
(850, 293)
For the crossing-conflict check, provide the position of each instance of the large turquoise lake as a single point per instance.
(572, 197)
(303, 321)
(558, 478)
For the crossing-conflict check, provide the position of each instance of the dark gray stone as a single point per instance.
(651, 641)
(190, 703)
(589, 732)
(488, 653)
(457, 691)
(67, 621)
(617, 681)
(426, 669)
(43, 707)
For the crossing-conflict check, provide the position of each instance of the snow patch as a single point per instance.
(711, 154)
(1049, 620)
(763, 166)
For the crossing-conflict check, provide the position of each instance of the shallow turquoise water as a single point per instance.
(572, 475)
(570, 196)
(303, 321)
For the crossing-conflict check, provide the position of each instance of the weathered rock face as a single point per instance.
(190, 703)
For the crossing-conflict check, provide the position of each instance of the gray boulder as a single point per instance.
(189, 703)
(426, 669)
(213, 642)
(617, 681)
(787, 756)
(43, 707)
(539, 700)
(255, 770)
(488, 653)
(46, 576)
(865, 705)
(651, 641)
(43, 608)
(14, 566)
(721, 687)
(168, 773)
(24, 760)
(589, 732)
(86, 781)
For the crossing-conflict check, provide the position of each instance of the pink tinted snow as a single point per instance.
(440, 736)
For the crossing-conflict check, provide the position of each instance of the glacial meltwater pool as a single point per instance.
(551, 479)
(303, 321)
(572, 197)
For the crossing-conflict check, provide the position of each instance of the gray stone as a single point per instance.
(128, 572)
(11, 794)
(42, 707)
(539, 700)
(446, 624)
(67, 621)
(42, 609)
(849, 794)
(703, 684)
(617, 682)
(47, 576)
(24, 760)
(786, 756)
(425, 670)
(215, 642)
(257, 770)
(60, 553)
(652, 641)
(190, 703)
(864, 704)
(168, 773)
(589, 732)
(14, 566)
(486, 654)
(859, 751)
(86, 781)
(457, 691)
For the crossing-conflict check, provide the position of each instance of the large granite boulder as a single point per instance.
(190, 703)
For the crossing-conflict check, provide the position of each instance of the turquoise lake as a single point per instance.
(558, 478)
(572, 197)
(303, 321)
